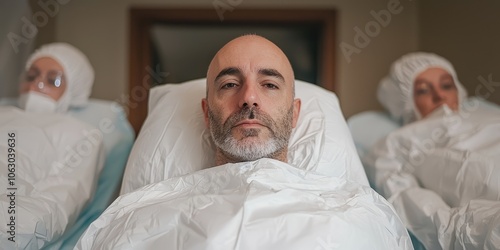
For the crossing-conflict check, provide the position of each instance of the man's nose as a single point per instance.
(249, 94)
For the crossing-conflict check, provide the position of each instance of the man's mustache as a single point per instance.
(251, 113)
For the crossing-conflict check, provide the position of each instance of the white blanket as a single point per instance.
(265, 204)
(442, 174)
(48, 169)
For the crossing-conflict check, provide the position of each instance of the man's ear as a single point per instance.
(296, 111)
(204, 107)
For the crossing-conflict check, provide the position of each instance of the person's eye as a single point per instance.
(31, 74)
(422, 91)
(270, 86)
(228, 85)
(55, 81)
(448, 86)
(30, 77)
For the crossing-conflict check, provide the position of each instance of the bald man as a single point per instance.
(250, 106)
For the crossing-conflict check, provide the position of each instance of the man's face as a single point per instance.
(433, 88)
(250, 107)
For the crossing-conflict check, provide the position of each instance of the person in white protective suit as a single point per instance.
(57, 76)
(253, 199)
(441, 169)
(53, 159)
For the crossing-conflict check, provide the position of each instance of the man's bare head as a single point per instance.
(250, 106)
(246, 49)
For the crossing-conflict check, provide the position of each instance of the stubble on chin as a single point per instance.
(270, 141)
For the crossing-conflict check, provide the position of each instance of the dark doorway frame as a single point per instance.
(141, 74)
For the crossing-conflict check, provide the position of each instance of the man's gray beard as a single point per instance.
(250, 151)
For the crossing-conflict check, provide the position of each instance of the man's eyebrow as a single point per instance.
(229, 71)
(273, 73)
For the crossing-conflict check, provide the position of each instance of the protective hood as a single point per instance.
(395, 91)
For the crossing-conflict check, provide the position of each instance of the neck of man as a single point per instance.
(222, 158)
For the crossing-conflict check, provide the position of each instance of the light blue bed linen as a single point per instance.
(118, 138)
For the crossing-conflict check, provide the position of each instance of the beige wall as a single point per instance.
(100, 29)
(47, 32)
(468, 34)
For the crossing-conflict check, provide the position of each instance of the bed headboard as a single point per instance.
(176, 45)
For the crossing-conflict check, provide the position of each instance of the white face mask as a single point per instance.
(37, 103)
(441, 111)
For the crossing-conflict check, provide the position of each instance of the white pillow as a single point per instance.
(174, 140)
(380, 125)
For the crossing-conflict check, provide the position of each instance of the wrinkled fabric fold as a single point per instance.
(57, 164)
(442, 176)
(265, 204)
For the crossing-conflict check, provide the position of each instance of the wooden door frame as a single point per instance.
(142, 19)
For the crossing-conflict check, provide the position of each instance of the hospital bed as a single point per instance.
(437, 201)
(172, 197)
(118, 137)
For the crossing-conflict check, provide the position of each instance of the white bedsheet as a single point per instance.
(57, 159)
(265, 204)
(442, 174)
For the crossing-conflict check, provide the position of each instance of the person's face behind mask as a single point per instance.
(433, 88)
(41, 86)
